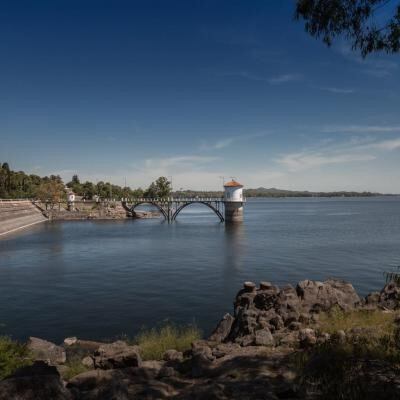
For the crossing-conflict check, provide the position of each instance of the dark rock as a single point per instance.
(264, 300)
(264, 338)
(277, 322)
(38, 381)
(166, 372)
(202, 358)
(117, 355)
(287, 300)
(307, 337)
(247, 340)
(88, 362)
(173, 355)
(390, 296)
(249, 286)
(223, 329)
(46, 351)
(69, 341)
(373, 298)
(294, 326)
(224, 349)
(322, 296)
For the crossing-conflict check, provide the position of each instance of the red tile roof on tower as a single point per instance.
(233, 183)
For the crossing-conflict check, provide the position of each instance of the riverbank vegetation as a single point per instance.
(13, 355)
(364, 348)
(19, 185)
(154, 342)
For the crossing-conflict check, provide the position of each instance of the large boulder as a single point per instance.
(117, 355)
(390, 296)
(321, 296)
(264, 337)
(223, 329)
(38, 381)
(46, 351)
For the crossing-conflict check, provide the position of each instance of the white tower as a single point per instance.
(233, 198)
(71, 201)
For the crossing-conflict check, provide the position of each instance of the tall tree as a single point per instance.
(51, 192)
(160, 188)
(356, 20)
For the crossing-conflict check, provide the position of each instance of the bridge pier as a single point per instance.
(233, 211)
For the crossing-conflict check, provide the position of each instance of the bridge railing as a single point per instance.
(175, 199)
(171, 199)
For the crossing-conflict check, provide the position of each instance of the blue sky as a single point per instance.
(193, 89)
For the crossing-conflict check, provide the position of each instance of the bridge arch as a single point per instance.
(180, 208)
(153, 203)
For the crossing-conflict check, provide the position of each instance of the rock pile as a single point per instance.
(246, 357)
(268, 315)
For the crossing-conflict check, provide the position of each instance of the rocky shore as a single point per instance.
(279, 343)
(93, 211)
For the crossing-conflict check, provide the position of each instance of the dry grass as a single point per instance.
(336, 369)
(382, 323)
(154, 342)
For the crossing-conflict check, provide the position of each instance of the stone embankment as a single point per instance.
(248, 356)
(18, 214)
(91, 210)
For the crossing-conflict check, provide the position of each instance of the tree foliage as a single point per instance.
(51, 192)
(161, 188)
(362, 22)
(18, 184)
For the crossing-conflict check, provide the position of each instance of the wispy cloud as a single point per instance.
(343, 152)
(305, 160)
(277, 80)
(390, 145)
(186, 161)
(273, 80)
(337, 90)
(229, 141)
(361, 128)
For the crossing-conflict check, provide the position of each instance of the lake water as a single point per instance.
(98, 280)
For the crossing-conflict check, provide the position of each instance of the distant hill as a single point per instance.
(274, 192)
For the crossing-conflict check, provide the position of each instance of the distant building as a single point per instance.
(71, 197)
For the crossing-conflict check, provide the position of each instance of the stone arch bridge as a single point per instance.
(171, 207)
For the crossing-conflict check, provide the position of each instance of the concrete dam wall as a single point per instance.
(18, 214)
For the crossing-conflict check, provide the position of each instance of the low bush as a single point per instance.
(13, 355)
(154, 342)
(75, 367)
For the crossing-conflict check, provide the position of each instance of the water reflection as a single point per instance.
(235, 245)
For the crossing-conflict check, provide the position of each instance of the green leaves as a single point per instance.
(354, 20)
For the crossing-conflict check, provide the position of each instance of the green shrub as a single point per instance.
(13, 355)
(75, 367)
(154, 342)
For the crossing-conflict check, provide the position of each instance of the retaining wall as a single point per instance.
(18, 214)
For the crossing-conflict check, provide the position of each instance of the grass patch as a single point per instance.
(381, 323)
(154, 342)
(345, 368)
(13, 355)
(75, 367)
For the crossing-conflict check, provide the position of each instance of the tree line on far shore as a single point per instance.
(19, 185)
